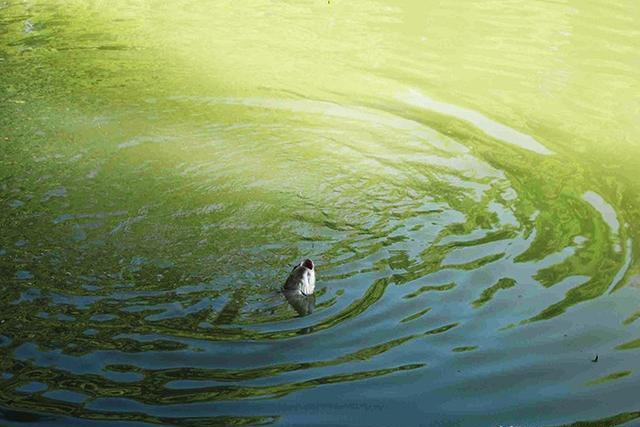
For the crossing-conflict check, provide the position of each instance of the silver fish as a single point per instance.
(302, 279)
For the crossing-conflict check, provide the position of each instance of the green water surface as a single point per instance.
(464, 174)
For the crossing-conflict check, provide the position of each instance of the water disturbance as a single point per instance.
(463, 174)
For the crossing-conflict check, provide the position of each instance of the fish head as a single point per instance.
(302, 278)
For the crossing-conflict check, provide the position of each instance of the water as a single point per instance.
(464, 175)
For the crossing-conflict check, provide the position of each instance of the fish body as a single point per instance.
(302, 279)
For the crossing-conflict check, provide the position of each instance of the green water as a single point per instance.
(463, 174)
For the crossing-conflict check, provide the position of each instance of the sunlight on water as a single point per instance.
(463, 176)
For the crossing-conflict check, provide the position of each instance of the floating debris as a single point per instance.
(28, 26)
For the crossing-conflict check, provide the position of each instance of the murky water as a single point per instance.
(464, 175)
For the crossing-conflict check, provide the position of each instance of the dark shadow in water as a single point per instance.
(231, 310)
(614, 420)
(23, 417)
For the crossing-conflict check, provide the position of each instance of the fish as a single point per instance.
(302, 279)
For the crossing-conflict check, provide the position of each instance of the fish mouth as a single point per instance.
(308, 264)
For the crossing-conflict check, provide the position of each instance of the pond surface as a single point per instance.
(464, 175)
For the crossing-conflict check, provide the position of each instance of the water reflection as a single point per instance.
(302, 304)
(475, 251)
